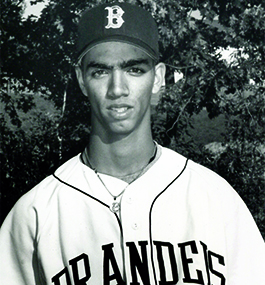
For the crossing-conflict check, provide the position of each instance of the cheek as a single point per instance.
(145, 84)
(145, 91)
(95, 92)
(149, 83)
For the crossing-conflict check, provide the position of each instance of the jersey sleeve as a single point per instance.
(17, 242)
(246, 248)
(243, 245)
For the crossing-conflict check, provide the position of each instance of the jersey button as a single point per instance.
(129, 200)
(135, 226)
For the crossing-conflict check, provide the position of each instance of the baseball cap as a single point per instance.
(121, 22)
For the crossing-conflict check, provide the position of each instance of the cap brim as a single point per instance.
(130, 41)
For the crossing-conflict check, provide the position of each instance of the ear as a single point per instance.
(160, 71)
(80, 79)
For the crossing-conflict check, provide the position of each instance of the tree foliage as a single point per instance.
(38, 55)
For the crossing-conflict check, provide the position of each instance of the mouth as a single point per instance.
(120, 111)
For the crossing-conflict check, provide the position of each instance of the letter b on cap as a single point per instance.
(115, 20)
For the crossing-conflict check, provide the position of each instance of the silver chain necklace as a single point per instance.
(115, 205)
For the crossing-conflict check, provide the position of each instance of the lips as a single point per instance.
(120, 111)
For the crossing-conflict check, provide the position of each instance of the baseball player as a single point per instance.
(127, 210)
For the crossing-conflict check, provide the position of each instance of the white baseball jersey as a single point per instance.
(179, 223)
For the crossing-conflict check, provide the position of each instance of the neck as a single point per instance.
(120, 157)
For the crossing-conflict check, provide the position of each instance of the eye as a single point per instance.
(136, 71)
(99, 73)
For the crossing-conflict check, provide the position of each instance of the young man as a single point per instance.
(126, 210)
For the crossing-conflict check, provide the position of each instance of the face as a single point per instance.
(119, 80)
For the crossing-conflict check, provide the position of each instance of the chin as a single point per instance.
(121, 129)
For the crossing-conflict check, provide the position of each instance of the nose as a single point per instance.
(118, 86)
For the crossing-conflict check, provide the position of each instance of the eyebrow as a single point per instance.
(133, 62)
(122, 65)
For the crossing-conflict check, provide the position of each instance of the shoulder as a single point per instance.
(173, 158)
(36, 203)
(204, 188)
(48, 186)
(199, 178)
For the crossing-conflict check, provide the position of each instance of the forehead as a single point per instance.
(114, 53)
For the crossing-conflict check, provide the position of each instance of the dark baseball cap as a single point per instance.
(122, 22)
